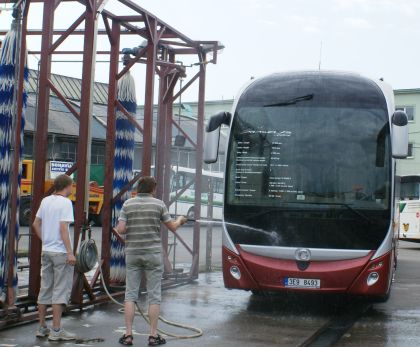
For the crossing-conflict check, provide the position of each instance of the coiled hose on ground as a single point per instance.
(88, 257)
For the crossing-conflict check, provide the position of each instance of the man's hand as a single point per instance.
(172, 225)
(182, 220)
(71, 259)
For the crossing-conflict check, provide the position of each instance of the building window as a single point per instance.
(68, 151)
(97, 154)
(410, 151)
(409, 110)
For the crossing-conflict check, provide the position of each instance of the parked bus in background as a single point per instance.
(310, 199)
(184, 205)
(410, 208)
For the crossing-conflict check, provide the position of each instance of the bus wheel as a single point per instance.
(25, 213)
(191, 213)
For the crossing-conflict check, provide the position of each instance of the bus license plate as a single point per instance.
(302, 282)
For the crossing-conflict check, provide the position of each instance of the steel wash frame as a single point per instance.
(383, 259)
(165, 46)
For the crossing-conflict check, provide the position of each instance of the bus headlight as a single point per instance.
(235, 272)
(372, 278)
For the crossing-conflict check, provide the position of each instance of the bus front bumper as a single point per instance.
(360, 276)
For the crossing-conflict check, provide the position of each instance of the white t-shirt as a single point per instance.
(53, 210)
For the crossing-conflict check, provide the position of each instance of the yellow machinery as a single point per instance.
(96, 194)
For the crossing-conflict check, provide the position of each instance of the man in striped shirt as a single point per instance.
(140, 220)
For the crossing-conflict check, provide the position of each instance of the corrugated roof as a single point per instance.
(70, 87)
(61, 120)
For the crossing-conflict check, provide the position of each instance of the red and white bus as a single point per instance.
(310, 191)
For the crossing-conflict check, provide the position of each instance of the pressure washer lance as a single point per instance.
(204, 221)
(86, 259)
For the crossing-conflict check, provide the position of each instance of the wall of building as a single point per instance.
(410, 100)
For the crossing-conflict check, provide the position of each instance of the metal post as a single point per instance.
(110, 150)
(209, 233)
(84, 143)
(161, 127)
(41, 141)
(149, 99)
(199, 168)
(167, 175)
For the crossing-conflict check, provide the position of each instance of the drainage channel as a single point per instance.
(330, 333)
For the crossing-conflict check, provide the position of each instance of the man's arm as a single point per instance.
(37, 227)
(64, 232)
(173, 225)
(121, 227)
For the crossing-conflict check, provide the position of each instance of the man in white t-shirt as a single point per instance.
(51, 225)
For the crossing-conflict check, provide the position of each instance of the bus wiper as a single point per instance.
(360, 214)
(291, 101)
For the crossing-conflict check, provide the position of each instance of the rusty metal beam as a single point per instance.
(142, 11)
(73, 27)
(41, 139)
(110, 150)
(149, 102)
(190, 140)
(187, 85)
(81, 207)
(170, 88)
(181, 191)
(160, 155)
(132, 61)
(126, 188)
(127, 114)
(64, 100)
(108, 29)
(81, 32)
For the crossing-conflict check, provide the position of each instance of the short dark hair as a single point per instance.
(147, 185)
(61, 182)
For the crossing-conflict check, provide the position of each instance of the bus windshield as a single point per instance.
(309, 155)
(309, 174)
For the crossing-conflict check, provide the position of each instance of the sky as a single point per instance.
(376, 38)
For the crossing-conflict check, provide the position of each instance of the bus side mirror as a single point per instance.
(399, 135)
(212, 139)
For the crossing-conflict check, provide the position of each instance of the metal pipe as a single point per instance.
(199, 166)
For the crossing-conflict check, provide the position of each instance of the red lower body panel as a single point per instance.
(341, 276)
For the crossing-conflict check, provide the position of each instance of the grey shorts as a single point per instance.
(56, 279)
(153, 268)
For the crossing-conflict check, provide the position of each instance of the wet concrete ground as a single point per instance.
(396, 322)
(236, 318)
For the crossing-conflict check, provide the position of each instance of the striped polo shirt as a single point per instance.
(143, 215)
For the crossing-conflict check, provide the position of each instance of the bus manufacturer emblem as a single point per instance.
(303, 254)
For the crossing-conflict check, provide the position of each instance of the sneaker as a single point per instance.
(43, 331)
(61, 335)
